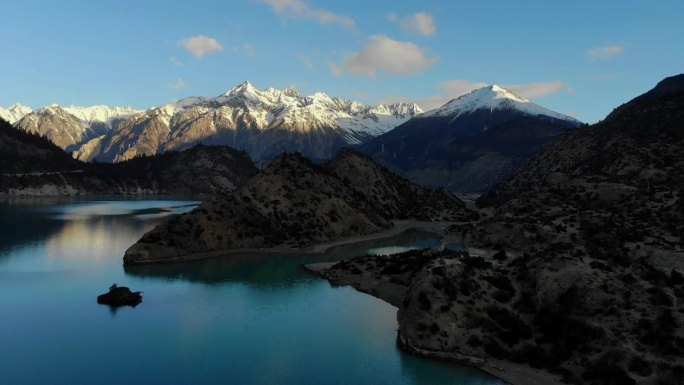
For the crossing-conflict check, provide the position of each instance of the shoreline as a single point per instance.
(399, 226)
(508, 372)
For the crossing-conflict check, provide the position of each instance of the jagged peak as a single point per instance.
(292, 91)
(400, 108)
(242, 88)
(19, 107)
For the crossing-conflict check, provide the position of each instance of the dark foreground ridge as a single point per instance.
(295, 203)
(33, 166)
(576, 268)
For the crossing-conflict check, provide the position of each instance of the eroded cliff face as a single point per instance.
(296, 203)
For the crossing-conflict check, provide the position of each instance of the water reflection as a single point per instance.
(79, 229)
(439, 372)
(92, 238)
(136, 209)
(275, 270)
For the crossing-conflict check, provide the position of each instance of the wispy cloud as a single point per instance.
(392, 17)
(605, 52)
(173, 60)
(602, 77)
(199, 46)
(420, 23)
(249, 50)
(299, 9)
(452, 89)
(335, 69)
(306, 60)
(178, 84)
(537, 90)
(394, 57)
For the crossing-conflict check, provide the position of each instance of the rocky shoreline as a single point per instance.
(366, 275)
(398, 227)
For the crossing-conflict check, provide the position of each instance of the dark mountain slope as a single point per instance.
(22, 152)
(576, 269)
(596, 223)
(470, 143)
(32, 165)
(295, 203)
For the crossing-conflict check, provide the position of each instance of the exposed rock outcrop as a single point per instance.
(120, 296)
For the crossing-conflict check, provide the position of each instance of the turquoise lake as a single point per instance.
(248, 319)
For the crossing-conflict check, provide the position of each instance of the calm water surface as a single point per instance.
(252, 319)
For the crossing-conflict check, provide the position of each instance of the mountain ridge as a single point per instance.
(431, 148)
(34, 166)
(574, 272)
(262, 122)
(295, 203)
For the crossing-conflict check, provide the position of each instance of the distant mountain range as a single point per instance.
(263, 123)
(468, 145)
(472, 142)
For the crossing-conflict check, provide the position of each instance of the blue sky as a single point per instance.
(582, 57)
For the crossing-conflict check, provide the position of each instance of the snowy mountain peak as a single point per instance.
(401, 108)
(14, 113)
(505, 93)
(245, 87)
(18, 107)
(492, 98)
(291, 92)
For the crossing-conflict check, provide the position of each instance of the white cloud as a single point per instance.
(452, 89)
(383, 54)
(178, 84)
(605, 52)
(335, 69)
(201, 45)
(458, 87)
(299, 9)
(392, 17)
(420, 23)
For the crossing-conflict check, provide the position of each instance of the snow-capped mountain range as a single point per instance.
(14, 112)
(263, 123)
(69, 127)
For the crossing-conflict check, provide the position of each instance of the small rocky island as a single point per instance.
(120, 296)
